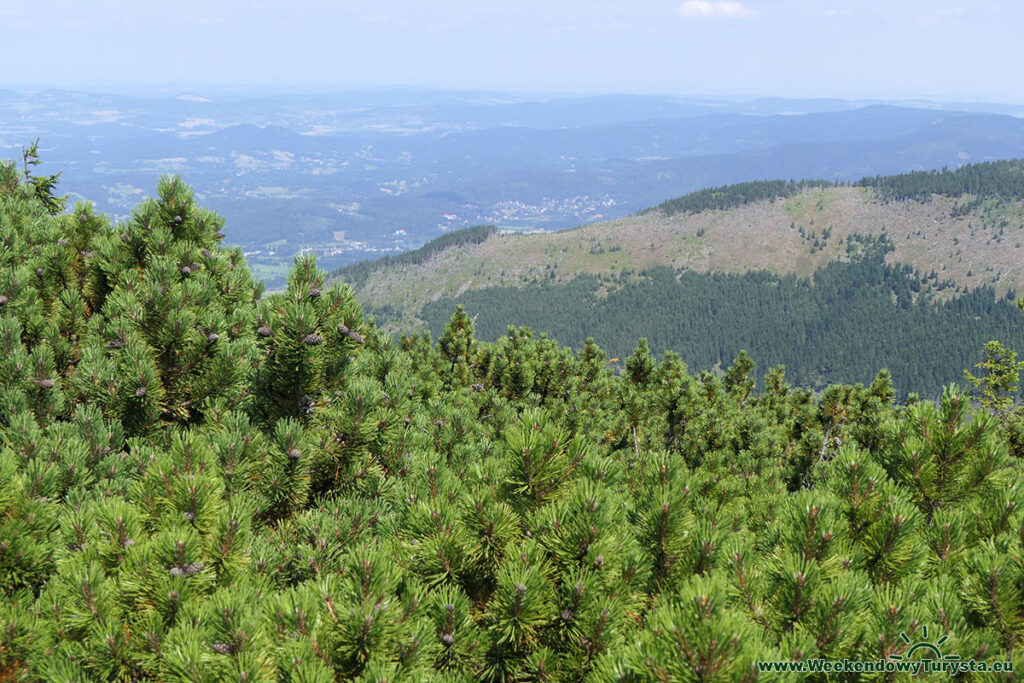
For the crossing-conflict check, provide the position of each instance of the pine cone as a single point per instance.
(314, 293)
(312, 339)
(140, 392)
(187, 570)
(44, 383)
(3, 299)
(264, 331)
(304, 404)
(223, 648)
(212, 337)
(343, 329)
(294, 453)
(115, 344)
(356, 337)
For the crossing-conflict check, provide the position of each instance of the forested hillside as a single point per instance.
(842, 325)
(201, 483)
(833, 281)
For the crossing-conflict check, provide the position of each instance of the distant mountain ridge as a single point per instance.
(351, 175)
(354, 174)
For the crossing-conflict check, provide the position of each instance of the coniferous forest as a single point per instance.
(844, 324)
(200, 482)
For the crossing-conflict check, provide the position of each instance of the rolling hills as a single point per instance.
(355, 175)
(919, 242)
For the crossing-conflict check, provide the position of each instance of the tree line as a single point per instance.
(1000, 180)
(358, 273)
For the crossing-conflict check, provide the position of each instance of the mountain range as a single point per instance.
(353, 175)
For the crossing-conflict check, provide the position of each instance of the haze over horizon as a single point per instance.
(939, 50)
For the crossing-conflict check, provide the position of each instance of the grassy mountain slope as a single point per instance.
(971, 240)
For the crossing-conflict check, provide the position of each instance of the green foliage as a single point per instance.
(295, 496)
(998, 385)
(457, 346)
(940, 457)
(307, 337)
(43, 186)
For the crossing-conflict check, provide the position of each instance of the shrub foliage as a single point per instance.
(199, 482)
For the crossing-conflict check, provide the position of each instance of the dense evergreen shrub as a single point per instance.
(200, 483)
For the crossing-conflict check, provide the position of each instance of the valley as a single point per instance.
(350, 176)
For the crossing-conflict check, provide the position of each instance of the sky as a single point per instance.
(889, 49)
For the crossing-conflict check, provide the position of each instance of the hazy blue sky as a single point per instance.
(870, 48)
